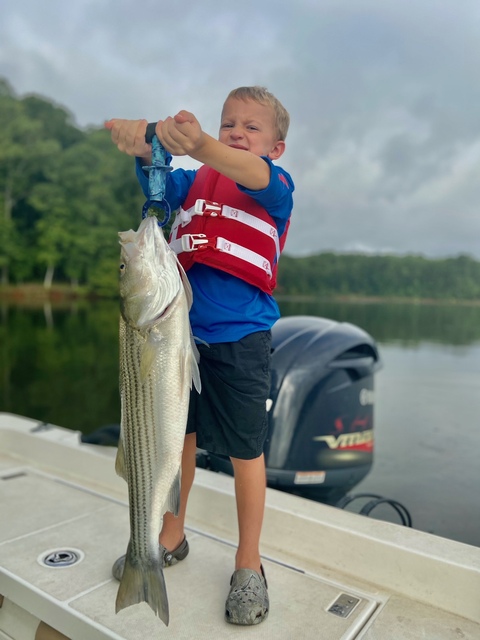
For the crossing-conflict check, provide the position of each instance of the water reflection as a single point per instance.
(59, 363)
(400, 323)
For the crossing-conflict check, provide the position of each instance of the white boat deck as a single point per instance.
(59, 495)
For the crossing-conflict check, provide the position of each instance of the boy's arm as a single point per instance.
(129, 136)
(182, 135)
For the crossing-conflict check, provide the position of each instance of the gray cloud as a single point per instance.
(384, 145)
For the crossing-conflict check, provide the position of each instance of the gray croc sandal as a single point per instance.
(247, 602)
(169, 559)
(180, 553)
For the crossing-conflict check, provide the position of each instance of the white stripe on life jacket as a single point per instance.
(203, 207)
(192, 241)
(245, 254)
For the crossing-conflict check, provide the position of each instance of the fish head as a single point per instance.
(149, 277)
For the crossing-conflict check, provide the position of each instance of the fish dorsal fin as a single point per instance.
(195, 372)
(186, 284)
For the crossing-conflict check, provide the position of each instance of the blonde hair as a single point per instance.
(262, 96)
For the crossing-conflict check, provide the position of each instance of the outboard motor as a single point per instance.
(320, 440)
(320, 435)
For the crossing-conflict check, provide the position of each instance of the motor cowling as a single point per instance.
(320, 439)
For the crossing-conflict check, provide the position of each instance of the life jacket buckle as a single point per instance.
(207, 208)
(193, 241)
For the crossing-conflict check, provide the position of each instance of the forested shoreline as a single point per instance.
(65, 192)
(380, 276)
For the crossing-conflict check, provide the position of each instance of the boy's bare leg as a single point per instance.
(173, 532)
(250, 490)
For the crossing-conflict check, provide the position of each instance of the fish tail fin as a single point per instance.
(143, 583)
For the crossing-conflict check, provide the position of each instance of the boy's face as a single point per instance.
(249, 125)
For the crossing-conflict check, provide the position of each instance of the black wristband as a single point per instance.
(150, 132)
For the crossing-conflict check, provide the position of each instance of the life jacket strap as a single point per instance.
(198, 242)
(215, 209)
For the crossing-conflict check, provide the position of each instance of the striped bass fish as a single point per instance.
(158, 362)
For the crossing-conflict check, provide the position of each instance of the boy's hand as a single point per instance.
(181, 135)
(129, 136)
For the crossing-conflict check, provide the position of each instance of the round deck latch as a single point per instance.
(60, 558)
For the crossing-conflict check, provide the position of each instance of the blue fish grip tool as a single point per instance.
(157, 174)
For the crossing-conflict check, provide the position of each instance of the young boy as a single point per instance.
(241, 203)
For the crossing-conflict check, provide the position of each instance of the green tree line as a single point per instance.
(65, 192)
(411, 276)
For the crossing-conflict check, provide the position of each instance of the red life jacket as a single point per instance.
(222, 227)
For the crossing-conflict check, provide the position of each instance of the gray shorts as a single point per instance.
(230, 415)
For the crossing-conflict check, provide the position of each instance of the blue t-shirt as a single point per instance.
(226, 308)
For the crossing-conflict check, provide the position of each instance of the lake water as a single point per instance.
(59, 364)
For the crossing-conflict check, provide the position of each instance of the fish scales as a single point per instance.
(158, 361)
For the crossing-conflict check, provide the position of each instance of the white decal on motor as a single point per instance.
(346, 439)
(366, 397)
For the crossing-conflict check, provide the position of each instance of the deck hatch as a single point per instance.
(344, 605)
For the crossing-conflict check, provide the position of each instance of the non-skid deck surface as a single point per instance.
(41, 513)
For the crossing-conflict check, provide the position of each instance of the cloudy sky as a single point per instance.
(384, 96)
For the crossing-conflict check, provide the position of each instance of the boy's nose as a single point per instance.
(236, 133)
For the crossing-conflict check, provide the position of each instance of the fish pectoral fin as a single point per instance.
(143, 582)
(172, 503)
(120, 460)
(197, 339)
(188, 364)
(148, 354)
